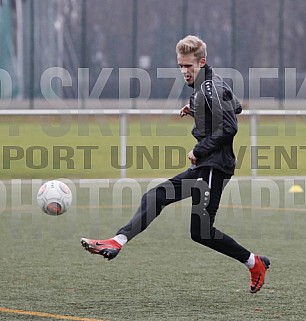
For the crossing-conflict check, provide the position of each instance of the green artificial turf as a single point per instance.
(161, 274)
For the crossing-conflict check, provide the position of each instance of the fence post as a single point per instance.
(123, 132)
(253, 141)
(32, 56)
(281, 50)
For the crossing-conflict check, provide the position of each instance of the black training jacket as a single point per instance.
(214, 107)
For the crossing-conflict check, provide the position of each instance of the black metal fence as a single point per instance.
(37, 35)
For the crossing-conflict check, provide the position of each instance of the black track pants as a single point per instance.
(205, 186)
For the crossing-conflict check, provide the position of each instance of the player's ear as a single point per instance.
(202, 62)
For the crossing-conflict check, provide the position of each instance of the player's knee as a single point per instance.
(203, 236)
(154, 199)
(195, 236)
(158, 195)
(201, 231)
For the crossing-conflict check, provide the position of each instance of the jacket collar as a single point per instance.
(205, 73)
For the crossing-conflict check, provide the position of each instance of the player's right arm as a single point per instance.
(185, 110)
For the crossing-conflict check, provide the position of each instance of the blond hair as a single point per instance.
(192, 45)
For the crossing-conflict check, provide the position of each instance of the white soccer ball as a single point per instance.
(54, 197)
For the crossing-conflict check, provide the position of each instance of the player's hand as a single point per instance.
(185, 110)
(191, 157)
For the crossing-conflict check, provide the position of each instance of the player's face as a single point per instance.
(190, 66)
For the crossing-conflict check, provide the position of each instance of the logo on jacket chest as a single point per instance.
(208, 88)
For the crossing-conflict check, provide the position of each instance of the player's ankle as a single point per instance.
(121, 239)
(250, 262)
